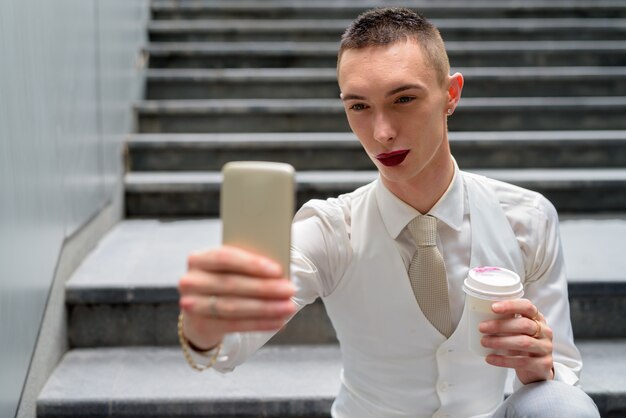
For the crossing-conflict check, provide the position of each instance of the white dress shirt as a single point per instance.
(322, 251)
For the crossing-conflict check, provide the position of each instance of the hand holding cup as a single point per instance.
(509, 331)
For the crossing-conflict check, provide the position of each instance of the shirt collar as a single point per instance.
(396, 214)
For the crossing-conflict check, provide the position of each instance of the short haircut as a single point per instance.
(379, 27)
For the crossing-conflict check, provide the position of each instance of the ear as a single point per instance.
(455, 86)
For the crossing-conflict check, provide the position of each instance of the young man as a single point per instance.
(403, 357)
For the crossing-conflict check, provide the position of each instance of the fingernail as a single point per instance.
(496, 306)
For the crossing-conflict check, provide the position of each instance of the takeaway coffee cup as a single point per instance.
(484, 286)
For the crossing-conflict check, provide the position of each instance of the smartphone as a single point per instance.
(257, 207)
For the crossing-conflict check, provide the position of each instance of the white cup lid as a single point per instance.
(494, 283)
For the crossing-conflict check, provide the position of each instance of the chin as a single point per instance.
(401, 173)
(395, 174)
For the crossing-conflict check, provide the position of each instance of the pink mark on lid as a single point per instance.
(486, 269)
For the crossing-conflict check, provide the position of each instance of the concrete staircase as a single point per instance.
(544, 107)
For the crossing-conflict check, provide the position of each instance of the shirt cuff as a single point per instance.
(226, 356)
(564, 374)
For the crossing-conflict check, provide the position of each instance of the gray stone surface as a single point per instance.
(332, 151)
(155, 181)
(594, 248)
(143, 254)
(330, 74)
(151, 253)
(324, 54)
(328, 115)
(276, 381)
(286, 382)
(322, 83)
(331, 29)
(343, 9)
(109, 323)
(604, 375)
(241, 82)
(300, 140)
(176, 194)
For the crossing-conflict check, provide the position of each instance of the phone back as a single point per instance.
(257, 206)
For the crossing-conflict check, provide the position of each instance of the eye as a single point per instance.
(405, 99)
(358, 106)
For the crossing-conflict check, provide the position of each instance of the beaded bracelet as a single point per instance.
(184, 345)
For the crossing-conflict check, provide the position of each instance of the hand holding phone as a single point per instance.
(235, 288)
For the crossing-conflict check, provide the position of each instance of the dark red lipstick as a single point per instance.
(390, 159)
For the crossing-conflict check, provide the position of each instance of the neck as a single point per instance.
(424, 190)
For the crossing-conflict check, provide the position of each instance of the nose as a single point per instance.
(383, 128)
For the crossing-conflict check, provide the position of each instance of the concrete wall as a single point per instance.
(68, 77)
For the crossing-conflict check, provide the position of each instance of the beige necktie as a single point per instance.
(427, 274)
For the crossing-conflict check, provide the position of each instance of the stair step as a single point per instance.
(328, 115)
(157, 382)
(463, 29)
(324, 54)
(296, 83)
(341, 151)
(125, 291)
(176, 194)
(130, 382)
(324, 9)
(241, 83)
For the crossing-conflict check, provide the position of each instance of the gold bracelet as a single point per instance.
(184, 345)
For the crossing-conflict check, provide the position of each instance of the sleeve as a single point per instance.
(546, 287)
(320, 252)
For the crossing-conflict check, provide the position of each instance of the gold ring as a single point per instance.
(213, 306)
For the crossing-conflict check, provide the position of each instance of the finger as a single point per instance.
(236, 308)
(202, 283)
(528, 369)
(527, 363)
(522, 307)
(232, 259)
(520, 343)
(511, 326)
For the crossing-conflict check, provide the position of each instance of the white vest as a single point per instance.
(375, 291)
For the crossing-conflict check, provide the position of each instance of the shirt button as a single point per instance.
(444, 351)
(443, 386)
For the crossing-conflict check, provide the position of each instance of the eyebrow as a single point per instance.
(405, 87)
(389, 93)
(351, 97)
